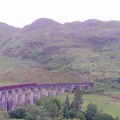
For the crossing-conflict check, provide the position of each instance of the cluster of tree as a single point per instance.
(106, 84)
(54, 109)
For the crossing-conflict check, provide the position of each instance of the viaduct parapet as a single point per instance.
(15, 95)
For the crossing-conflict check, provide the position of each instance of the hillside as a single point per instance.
(74, 51)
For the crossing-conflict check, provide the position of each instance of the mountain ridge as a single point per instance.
(88, 48)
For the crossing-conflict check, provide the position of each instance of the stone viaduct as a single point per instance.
(15, 95)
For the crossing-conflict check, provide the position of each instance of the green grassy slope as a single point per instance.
(104, 103)
(90, 50)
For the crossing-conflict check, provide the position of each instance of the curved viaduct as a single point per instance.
(16, 95)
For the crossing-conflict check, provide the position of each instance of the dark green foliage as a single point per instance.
(66, 112)
(67, 102)
(45, 102)
(91, 111)
(52, 110)
(18, 113)
(35, 112)
(72, 106)
(40, 102)
(73, 113)
(103, 116)
(60, 114)
(72, 110)
(81, 116)
(57, 102)
(106, 84)
(77, 102)
(29, 117)
(53, 107)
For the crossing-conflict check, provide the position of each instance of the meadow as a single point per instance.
(104, 103)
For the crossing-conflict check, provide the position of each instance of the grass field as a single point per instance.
(5, 83)
(104, 103)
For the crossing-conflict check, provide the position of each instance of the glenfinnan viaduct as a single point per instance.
(16, 95)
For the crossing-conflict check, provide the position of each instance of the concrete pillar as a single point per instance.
(55, 90)
(80, 86)
(10, 100)
(0, 100)
(63, 89)
(4, 100)
(39, 92)
(24, 95)
(71, 88)
(88, 87)
(32, 96)
(17, 97)
(47, 91)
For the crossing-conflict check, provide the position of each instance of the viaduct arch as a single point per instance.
(15, 95)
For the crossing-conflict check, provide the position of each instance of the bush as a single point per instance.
(81, 116)
(103, 116)
(91, 111)
(18, 113)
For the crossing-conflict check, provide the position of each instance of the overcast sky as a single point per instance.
(22, 12)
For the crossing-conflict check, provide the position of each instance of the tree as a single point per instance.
(29, 116)
(91, 111)
(18, 113)
(78, 99)
(67, 102)
(81, 116)
(103, 116)
(72, 113)
(72, 106)
(32, 112)
(52, 110)
(60, 114)
(36, 113)
(57, 102)
(53, 107)
(66, 112)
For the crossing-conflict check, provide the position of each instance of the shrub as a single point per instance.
(103, 116)
(18, 113)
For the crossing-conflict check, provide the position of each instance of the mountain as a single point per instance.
(88, 49)
(6, 33)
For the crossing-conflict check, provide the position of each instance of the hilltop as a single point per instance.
(73, 51)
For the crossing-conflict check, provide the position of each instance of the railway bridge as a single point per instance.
(15, 95)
